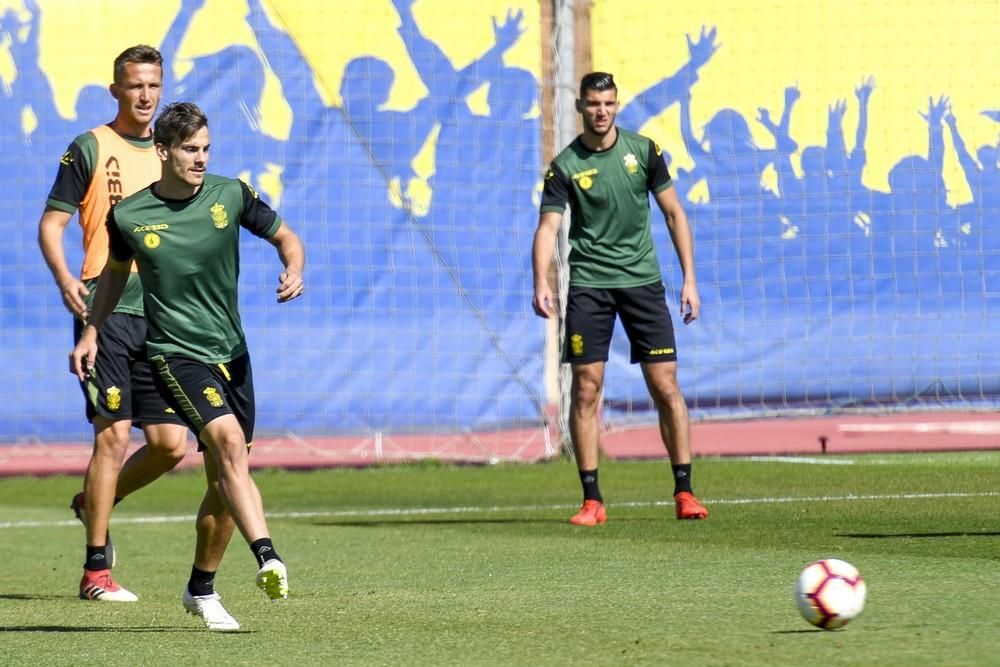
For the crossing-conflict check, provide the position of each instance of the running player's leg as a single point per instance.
(166, 446)
(108, 393)
(123, 387)
(166, 434)
(214, 527)
(111, 440)
(110, 444)
(224, 441)
(217, 402)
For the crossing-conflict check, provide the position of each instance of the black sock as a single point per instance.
(591, 490)
(264, 551)
(97, 558)
(682, 478)
(201, 582)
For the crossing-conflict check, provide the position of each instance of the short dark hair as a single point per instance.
(140, 53)
(599, 81)
(177, 122)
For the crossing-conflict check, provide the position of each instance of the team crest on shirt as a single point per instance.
(212, 395)
(576, 345)
(151, 241)
(631, 163)
(114, 395)
(219, 216)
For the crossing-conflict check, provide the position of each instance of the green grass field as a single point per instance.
(441, 565)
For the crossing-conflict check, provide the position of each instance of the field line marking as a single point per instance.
(809, 460)
(423, 511)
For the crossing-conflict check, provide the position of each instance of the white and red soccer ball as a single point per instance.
(830, 593)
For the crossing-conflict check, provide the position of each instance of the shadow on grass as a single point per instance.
(34, 596)
(889, 536)
(375, 523)
(91, 628)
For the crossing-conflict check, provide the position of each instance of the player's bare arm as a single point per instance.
(51, 229)
(111, 285)
(293, 256)
(542, 249)
(680, 235)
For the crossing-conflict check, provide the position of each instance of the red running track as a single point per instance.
(840, 434)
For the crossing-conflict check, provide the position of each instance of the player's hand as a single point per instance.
(83, 356)
(290, 286)
(74, 293)
(690, 303)
(543, 302)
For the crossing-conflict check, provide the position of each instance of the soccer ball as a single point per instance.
(830, 592)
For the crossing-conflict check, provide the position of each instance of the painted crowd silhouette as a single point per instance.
(420, 315)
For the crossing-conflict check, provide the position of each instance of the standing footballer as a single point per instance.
(183, 233)
(605, 176)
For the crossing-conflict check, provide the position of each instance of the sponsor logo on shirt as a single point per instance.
(115, 189)
(584, 179)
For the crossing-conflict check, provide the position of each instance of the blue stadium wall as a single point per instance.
(840, 177)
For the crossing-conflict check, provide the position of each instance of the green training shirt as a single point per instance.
(610, 236)
(188, 256)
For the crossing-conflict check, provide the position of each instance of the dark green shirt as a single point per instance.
(188, 256)
(610, 236)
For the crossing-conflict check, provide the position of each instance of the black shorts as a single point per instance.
(201, 392)
(590, 322)
(120, 385)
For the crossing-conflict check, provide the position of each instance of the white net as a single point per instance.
(401, 141)
(841, 180)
